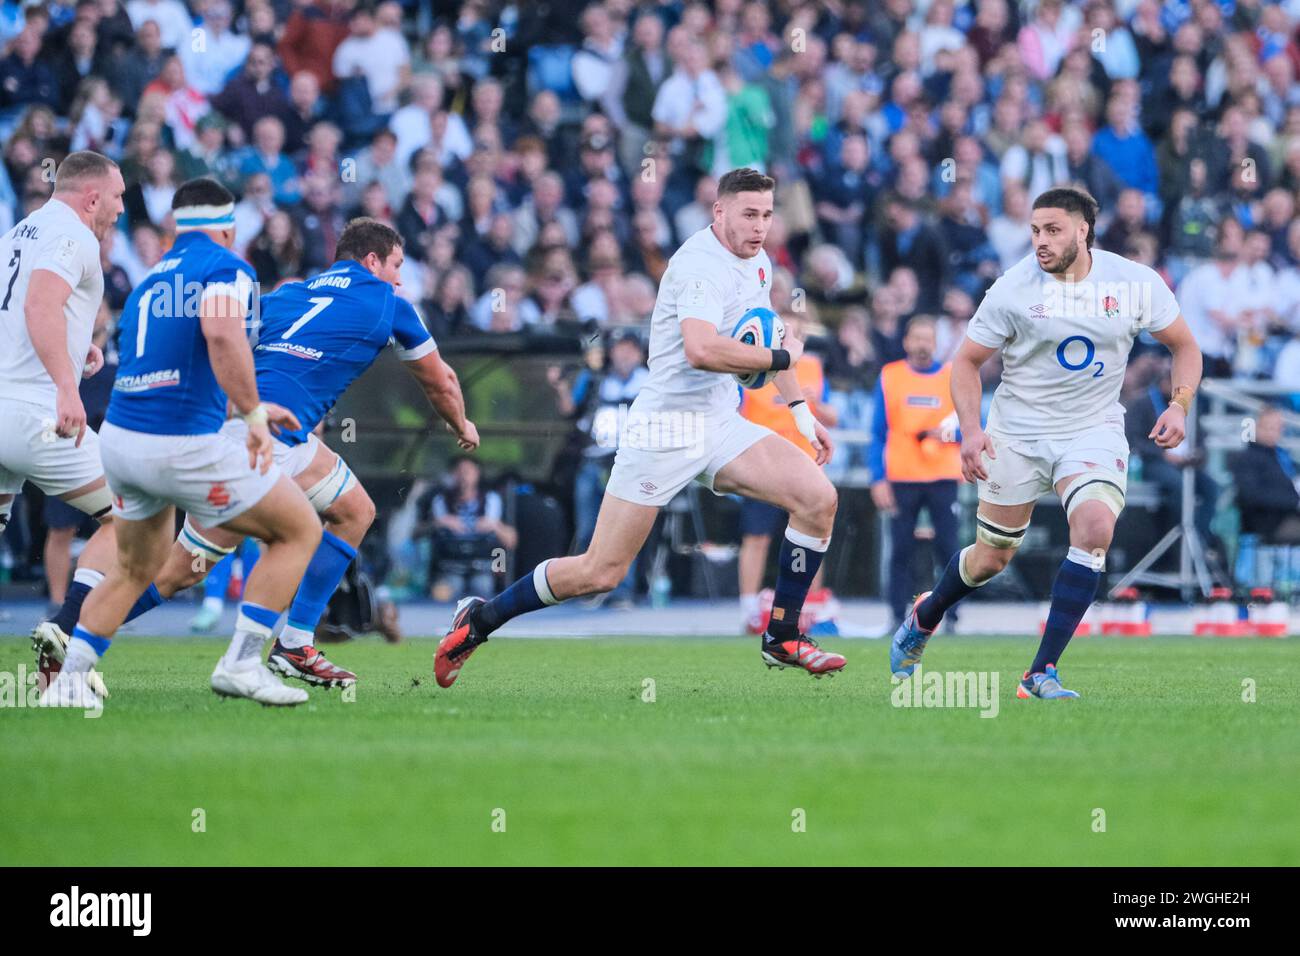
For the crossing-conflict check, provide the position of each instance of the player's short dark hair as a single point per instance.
(201, 192)
(363, 236)
(1072, 200)
(744, 180)
(80, 166)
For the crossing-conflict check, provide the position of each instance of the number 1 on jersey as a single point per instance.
(318, 306)
(142, 323)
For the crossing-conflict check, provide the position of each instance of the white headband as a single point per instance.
(189, 218)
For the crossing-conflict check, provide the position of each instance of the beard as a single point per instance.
(1066, 259)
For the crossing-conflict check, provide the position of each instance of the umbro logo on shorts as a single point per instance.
(649, 487)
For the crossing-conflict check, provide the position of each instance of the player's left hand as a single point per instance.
(279, 418)
(94, 361)
(822, 443)
(1171, 427)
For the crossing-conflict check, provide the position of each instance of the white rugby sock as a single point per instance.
(247, 643)
(292, 636)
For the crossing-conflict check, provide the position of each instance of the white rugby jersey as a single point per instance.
(1065, 345)
(704, 280)
(55, 239)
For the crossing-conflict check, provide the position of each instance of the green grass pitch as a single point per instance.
(545, 752)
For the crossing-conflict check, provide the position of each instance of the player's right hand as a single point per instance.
(259, 447)
(279, 418)
(467, 437)
(973, 446)
(71, 415)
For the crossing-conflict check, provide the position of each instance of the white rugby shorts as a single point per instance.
(31, 451)
(1027, 469)
(206, 476)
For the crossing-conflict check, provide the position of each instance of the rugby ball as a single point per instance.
(764, 328)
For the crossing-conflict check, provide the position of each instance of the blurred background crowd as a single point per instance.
(543, 160)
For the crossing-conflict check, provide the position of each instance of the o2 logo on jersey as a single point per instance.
(1064, 351)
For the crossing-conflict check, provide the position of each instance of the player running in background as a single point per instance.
(1064, 318)
(314, 339)
(184, 354)
(683, 426)
(50, 291)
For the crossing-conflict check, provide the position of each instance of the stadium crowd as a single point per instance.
(543, 160)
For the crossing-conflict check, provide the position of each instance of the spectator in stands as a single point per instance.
(972, 259)
(306, 108)
(76, 62)
(1215, 298)
(149, 200)
(1009, 231)
(25, 80)
(446, 312)
(690, 107)
(253, 94)
(174, 22)
(253, 209)
(277, 252)
(634, 83)
(210, 64)
(1130, 218)
(266, 155)
(845, 195)
(130, 68)
(184, 105)
(378, 163)
(1126, 149)
(1268, 483)
(504, 305)
(380, 55)
(1039, 161)
(424, 123)
(312, 33)
(909, 240)
(320, 220)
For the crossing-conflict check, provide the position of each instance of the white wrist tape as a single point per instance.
(257, 416)
(803, 419)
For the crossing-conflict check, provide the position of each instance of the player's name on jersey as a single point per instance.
(329, 280)
(1086, 299)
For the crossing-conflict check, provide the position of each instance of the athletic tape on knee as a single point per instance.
(966, 579)
(999, 536)
(95, 503)
(1093, 488)
(542, 586)
(329, 489)
(194, 542)
(811, 542)
(1095, 560)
